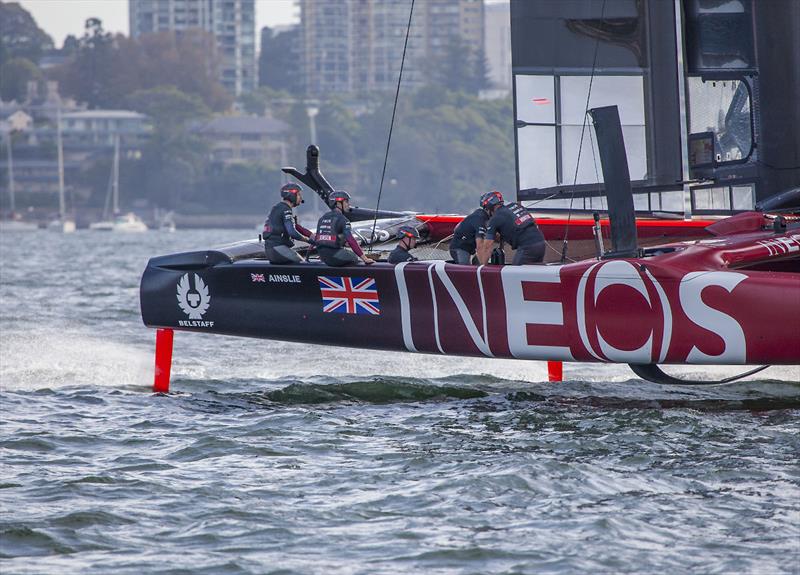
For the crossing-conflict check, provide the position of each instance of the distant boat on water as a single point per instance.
(63, 224)
(124, 223)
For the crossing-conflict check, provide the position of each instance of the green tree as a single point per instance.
(187, 61)
(460, 67)
(448, 147)
(479, 78)
(174, 160)
(20, 36)
(337, 132)
(170, 108)
(452, 70)
(106, 70)
(238, 188)
(279, 64)
(14, 77)
(266, 100)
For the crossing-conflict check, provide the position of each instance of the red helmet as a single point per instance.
(290, 192)
(338, 196)
(491, 199)
(407, 232)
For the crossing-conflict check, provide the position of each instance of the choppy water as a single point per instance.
(282, 458)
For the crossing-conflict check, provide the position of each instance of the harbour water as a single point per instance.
(282, 458)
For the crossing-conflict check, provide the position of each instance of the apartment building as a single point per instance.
(232, 22)
(355, 46)
(498, 44)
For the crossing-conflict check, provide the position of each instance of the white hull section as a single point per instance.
(129, 223)
(62, 226)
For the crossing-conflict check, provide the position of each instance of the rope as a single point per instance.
(391, 125)
(580, 145)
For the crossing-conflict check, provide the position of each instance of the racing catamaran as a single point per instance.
(694, 290)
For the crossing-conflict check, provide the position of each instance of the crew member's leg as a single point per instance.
(460, 256)
(282, 255)
(338, 258)
(530, 254)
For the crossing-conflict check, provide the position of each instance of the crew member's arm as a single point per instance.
(353, 243)
(482, 244)
(484, 250)
(485, 244)
(295, 232)
(306, 232)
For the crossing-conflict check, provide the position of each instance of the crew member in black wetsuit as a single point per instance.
(333, 232)
(281, 228)
(408, 236)
(515, 225)
(470, 229)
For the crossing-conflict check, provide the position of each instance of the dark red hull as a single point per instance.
(723, 300)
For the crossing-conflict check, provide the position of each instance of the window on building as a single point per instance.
(553, 146)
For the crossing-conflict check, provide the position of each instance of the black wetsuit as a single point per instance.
(279, 231)
(399, 255)
(333, 232)
(518, 227)
(463, 244)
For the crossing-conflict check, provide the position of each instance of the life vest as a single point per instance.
(516, 225)
(331, 230)
(275, 229)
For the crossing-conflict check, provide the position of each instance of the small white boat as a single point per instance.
(128, 223)
(64, 226)
(104, 226)
(125, 223)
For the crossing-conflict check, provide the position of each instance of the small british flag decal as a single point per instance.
(349, 295)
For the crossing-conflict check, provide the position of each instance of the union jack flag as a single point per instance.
(258, 278)
(349, 295)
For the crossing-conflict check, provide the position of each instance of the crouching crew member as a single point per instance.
(465, 236)
(281, 228)
(408, 236)
(333, 232)
(515, 225)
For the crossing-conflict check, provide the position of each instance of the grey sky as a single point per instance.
(62, 17)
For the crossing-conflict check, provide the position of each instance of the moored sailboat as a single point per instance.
(64, 223)
(125, 223)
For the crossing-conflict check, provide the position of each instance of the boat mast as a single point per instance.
(680, 56)
(115, 171)
(62, 208)
(10, 174)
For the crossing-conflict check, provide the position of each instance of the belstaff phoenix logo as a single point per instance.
(194, 301)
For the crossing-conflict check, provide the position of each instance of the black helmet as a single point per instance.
(289, 192)
(407, 232)
(338, 196)
(491, 199)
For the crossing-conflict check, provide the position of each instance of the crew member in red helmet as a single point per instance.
(408, 236)
(333, 233)
(515, 225)
(281, 228)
